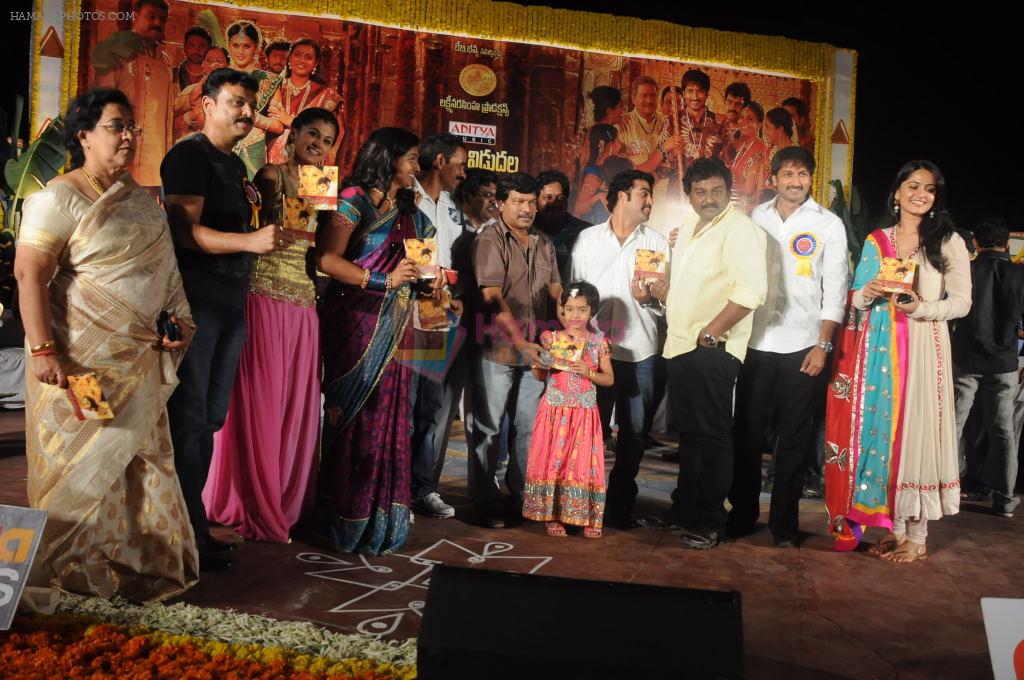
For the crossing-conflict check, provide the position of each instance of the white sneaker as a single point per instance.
(433, 506)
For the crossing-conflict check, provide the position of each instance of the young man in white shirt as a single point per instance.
(605, 255)
(783, 378)
(443, 158)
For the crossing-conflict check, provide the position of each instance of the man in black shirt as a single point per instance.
(211, 206)
(985, 353)
(553, 217)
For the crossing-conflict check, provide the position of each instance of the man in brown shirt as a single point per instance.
(517, 273)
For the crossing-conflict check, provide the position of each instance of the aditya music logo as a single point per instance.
(474, 133)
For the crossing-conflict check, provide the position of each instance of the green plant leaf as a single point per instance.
(31, 171)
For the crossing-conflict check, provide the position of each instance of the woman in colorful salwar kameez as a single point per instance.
(891, 458)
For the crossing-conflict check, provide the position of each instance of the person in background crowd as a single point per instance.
(95, 269)
(890, 386)
(642, 128)
(265, 455)
(751, 165)
(303, 88)
(188, 106)
(800, 113)
(553, 217)
(434, 401)
(709, 323)
(190, 71)
(277, 56)
(777, 130)
(985, 355)
(365, 317)
(475, 199)
(783, 376)
(137, 63)
(565, 471)
(211, 207)
(520, 286)
(628, 314)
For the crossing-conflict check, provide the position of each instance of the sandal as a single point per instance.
(591, 532)
(555, 529)
(907, 552)
(887, 544)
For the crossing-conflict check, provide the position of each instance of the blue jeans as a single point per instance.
(501, 391)
(434, 404)
(1001, 389)
(635, 395)
(199, 405)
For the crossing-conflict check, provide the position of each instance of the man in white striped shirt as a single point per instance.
(605, 256)
(782, 380)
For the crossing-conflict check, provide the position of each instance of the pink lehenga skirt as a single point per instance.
(264, 458)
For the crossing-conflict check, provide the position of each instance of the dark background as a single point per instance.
(930, 84)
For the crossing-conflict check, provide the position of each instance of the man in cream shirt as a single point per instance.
(605, 255)
(718, 278)
(808, 277)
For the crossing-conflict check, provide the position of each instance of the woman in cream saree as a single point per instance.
(116, 520)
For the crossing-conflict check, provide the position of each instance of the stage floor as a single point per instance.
(807, 613)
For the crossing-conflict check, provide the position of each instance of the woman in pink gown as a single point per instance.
(565, 470)
(264, 457)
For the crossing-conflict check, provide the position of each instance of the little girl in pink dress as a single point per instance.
(565, 470)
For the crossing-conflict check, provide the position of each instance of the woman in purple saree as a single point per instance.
(365, 319)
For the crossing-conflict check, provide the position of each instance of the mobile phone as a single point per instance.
(904, 298)
(164, 326)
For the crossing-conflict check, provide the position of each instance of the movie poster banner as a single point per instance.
(517, 105)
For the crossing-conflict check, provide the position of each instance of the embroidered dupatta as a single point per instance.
(864, 417)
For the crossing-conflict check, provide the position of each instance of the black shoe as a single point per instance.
(491, 520)
(813, 492)
(736, 530)
(219, 546)
(670, 456)
(700, 540)
(784, 543)
(652, 443)
(623, 522)
(659, 522)
(208, 561)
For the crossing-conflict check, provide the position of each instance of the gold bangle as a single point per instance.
(387, 282)
(366, 279)
(40, 347)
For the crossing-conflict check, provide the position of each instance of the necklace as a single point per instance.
(896, 248)
(292, 91)
(694, 145)
(381, 201)
(93, 182)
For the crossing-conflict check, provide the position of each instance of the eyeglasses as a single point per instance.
(118, 127)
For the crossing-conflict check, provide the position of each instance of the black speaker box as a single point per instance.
(490, 625)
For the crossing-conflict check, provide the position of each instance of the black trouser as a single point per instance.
(700, 387)
(199, 405)
(771, 386)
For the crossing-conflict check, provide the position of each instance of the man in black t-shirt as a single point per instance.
(210, 206)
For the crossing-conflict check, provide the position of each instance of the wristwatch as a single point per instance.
(710, 340)
(825, 346)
